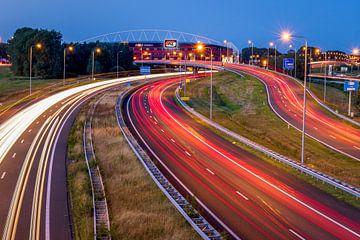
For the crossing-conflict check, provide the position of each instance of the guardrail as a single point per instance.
(301, 167)
(100, 208)
(200, 225)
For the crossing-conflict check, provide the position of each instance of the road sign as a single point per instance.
(145, 70)
(185, 98)
(170, 43)
(351, 86)
(288, 63)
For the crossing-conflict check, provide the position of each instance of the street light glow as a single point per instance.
(249, 42)
(71, 48)
(199, 47)
(286, 36)
(98, 50)
(38, 45)
(271, 44)
(355, 51)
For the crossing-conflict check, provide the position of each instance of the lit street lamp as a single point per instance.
(286, 36)
(37, 46)
(66, 49)
(201, 47)
(98, 51)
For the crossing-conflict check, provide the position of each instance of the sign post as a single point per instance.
(350, 86)
(288, 64)
(145, 70)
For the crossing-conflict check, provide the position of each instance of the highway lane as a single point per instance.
(286, 97)
(251, 198)
(33, 144)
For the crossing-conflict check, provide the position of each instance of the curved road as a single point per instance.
(33, 150)
(251, 198)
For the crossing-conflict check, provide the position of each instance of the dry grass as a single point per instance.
(79, 182)
(138, 209)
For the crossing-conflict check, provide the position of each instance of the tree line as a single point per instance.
(48, 55)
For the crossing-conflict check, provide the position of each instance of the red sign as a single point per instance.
(170, 43)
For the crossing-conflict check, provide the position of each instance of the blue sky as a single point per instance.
(328, 24)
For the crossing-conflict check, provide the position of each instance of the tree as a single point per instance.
(46, 61)
(3, 52)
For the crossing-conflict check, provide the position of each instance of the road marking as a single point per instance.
(173, 140)
(315, 128)
(44, 116)
(296, 234)
(50, 110)
(14, 155)
(22, 141)
(3, 175)
(210, 171)
(155, 123)
(30, 131)
(162, 130)
(356, 147)
(188, 153)
(37, 122)
(332, 137)
(150, 110)
(242, 195)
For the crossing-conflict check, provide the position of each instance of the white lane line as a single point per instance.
(172, 140)
(188, 153)
(296, 234)
(162, 130)
(150, 110)
(242, 195)
(211, 172)
(44, 116)
(315, 128)
(14, 155)
(155, 123)
(37, 122)
(22, 141)
(3, 175)
(30, 130)
(356, 147)
(332, 137)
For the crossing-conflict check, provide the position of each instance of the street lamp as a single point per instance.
(37, 46)
(98, 51)
(66, 50)
(291, 46)
(201, 47)
(286, 36)
(252, 51)
(272, 44)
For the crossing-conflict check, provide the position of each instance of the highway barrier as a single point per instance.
(301, 167)
(199, 224)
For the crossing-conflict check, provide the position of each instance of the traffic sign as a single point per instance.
(351, 86)
(288, 63)
(170, 43)
(185, 98)
(145, 70)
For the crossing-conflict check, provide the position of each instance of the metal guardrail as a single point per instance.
(301, 167)
(199, 224)
(100, 208)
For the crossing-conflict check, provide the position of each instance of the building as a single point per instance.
(188, 51)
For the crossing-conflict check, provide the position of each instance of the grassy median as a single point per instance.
(240, 104)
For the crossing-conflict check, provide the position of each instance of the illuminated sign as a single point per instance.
(170, 43)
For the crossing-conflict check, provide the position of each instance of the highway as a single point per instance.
(248, 197)
(286, 98)
(33, 149)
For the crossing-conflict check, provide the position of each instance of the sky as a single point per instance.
(328, 24)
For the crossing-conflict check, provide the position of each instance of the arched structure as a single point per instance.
(159, 35)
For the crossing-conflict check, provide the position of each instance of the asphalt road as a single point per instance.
(251, 198)
(33, 149)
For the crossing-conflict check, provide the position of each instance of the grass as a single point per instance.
(79, 182)
(138, 209)
(336, 98)
(240, 104)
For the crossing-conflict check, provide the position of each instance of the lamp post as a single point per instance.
(227, 52)
(291, 46)
(286, 37)
(201, 47)
(271, 44)
(38, 46)
(251, 43)
(325, 74)
(97, 50)
(66, 50)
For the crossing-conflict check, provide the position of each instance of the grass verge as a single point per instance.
(240, 104)
(79, 182)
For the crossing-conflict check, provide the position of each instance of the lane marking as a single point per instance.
(162, 130)
(188, 153)
(242, 195)
(22, 141)
(332, 137)
(211, 172)
(356, 147)
(44, 116)
(172, 140)
(296, 234)
(37, 122)
(14, 155)
(30, 130)
(3, 175)
(315, 128)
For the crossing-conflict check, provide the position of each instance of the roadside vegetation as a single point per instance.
(79, 182)
(240, 104)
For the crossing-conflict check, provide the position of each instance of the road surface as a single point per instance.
(249, 197)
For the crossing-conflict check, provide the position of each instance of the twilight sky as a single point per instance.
(328, 24)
